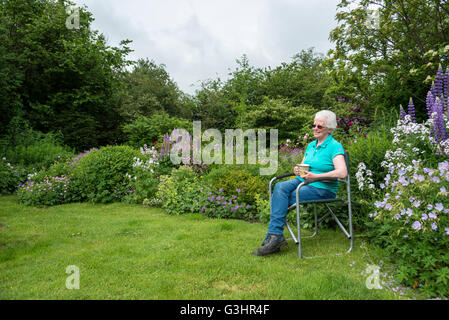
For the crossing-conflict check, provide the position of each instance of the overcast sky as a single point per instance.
(201, 39)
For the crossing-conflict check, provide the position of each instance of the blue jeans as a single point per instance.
(284, 195)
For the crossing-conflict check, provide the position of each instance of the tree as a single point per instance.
(386, 49)
(149, 88)
(302, 81)
(59, 78)
(212, 106)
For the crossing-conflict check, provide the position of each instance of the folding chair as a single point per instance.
(297, 238)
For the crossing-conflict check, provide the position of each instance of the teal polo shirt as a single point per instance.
(320, 160)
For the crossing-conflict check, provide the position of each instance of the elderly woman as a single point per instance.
(326, 159)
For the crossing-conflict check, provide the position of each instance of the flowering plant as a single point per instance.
(410, 216)
(181, 192)
(220, 206)
(10, 176)
(51, 191)
(412, 222)
(142, 182)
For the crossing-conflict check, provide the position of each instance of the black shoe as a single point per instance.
(272, 245)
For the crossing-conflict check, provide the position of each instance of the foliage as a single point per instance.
(281, 115)
(303, 81)
(212, 106)
(51, 191)
(181, 192)
(32, 149)
(262, 206)
(365, 157)
(217, 205)
(148, 88)
(384, 50)
(10, 176)
(101, 174)
(291, 153)
(60, 79)
(408, 215)
(147, 130)
(143, 183)
(412, 224)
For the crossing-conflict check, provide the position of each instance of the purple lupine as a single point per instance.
(446, 90)
(411, 110)
(439, 79)
(429, 103)
(402, 112)
(433, 90)
(439, 128)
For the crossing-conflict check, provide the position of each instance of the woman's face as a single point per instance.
(322, 133)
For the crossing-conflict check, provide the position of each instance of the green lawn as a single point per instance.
(132, 252)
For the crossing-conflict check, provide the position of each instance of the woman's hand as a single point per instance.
(310, 175)
(296, 170)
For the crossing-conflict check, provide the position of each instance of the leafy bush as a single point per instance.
(181, 192)
(365, 158)
(101, 175)
(10, 176)
(278, 114)
(147, 130)
(143, 183)
(242, 182)
(262, 206)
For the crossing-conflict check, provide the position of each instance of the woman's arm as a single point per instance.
(340, 170)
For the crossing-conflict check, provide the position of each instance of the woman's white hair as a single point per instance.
(328, 117)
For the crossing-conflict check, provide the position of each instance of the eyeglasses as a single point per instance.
(313, 126)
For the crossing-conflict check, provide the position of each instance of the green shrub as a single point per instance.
(243, 183)
(262, 206)
(147, 130)
(281, 115)
(367, 152)
(101, 175)
(143, 182)
(10, 176)
(231, 178)
(181, 192)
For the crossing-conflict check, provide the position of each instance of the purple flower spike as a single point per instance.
(411, 110)
(446, 83)
(439, 130)
(429, 103)
(402, 112)
(439, 79)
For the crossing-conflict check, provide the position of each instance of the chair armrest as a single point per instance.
(284, 176)
(322, 180)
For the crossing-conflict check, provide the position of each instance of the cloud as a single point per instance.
(201, 39)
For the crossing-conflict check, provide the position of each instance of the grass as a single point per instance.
(131, 252)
